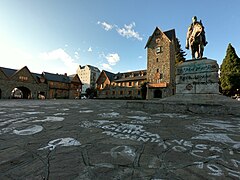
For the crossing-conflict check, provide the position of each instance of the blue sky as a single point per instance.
(58, 35)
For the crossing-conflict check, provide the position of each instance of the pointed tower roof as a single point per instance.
(170, 35)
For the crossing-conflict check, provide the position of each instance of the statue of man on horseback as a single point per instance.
(196, 39)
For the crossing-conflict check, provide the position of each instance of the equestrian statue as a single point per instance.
(196, 39)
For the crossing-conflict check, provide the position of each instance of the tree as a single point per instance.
(179, 54)
(230, 72)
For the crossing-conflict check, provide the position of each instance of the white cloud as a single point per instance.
(140, 57)
(90, 49)
(60, 55)
(105, 25)
(76, 55)
(106, 66)
(58, 61)
(128, 32)
(112, 58)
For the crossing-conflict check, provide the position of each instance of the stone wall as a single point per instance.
(6, 87)
(161, 64)
(158, 62)
(119, 92)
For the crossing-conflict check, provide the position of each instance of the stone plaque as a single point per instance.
(197, 66)
(209, 77)
(197, 77)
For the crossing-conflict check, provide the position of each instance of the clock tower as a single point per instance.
(161, 64)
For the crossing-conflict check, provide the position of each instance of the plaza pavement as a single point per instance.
(102, 139)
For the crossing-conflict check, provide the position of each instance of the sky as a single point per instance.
(59, 35)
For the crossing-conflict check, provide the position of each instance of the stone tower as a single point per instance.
(161, 64)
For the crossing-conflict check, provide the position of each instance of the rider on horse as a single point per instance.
(190, 30)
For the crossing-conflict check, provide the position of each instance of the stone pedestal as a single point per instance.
(197, 77)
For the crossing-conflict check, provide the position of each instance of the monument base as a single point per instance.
(197, 77)
(202, 99)
(214, 104)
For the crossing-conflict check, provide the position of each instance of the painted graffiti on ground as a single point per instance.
(123, 130)
(50, 119)
(33, 129)
(32, 112)
(4, 122)
(131, 132)
(217, 131)
(171, 115)
(213, 158)
(21, 129)
(109, 115)
(11, 122)
(141, 118)
(60, 114)
(86, 111)
(61, 142)
(209, 156)
(124, 151)
(215, 125)
(215, 137)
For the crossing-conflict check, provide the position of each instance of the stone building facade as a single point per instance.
(161, 64)
(24, 84)
(121, 85)
(159, 76)
(88, 75)
(61, 86)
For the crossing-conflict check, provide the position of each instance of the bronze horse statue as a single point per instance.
(196, 41)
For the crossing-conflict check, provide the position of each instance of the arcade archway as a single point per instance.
(21, 93)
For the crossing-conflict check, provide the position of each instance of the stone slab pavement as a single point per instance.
(102, 139)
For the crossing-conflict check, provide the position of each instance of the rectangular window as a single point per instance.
(159, 49)
(121, 92)
(130, 84)
(129, 92)
(161, 75)
(23, 78)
